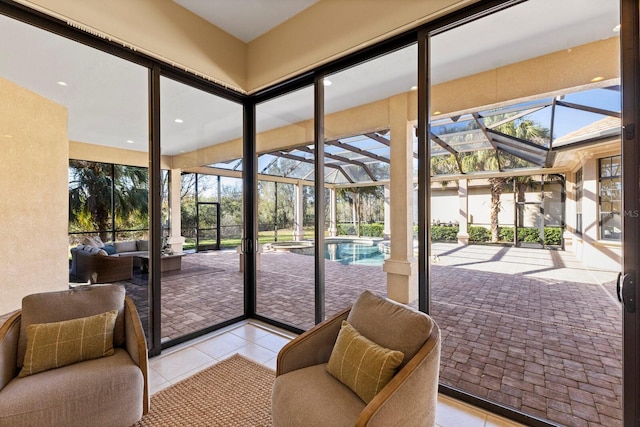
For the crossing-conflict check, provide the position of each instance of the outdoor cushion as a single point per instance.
(57, 344)
(126, 246)
(142, 245)
(361, 364)
(110, 249)
(393, 326)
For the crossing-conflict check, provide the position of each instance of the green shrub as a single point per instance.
(553, 236)
(444, 233)
(372, 230)
(479, 234)
(529, 235)
(375, 229)
(505, 234)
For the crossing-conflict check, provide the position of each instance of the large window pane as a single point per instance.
(369, 153)
(536, 90)
(286, 218)
(201, 284)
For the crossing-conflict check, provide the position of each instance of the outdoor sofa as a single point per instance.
(96, 262)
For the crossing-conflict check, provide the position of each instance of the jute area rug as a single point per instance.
(232, 393)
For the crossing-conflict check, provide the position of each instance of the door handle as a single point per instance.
(629, 292)
(618, 286)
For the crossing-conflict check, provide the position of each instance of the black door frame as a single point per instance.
(630, 72)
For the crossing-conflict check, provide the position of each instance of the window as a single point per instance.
(579, 186)
(610, 186)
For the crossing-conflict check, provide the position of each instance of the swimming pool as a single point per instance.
(345, 251)
(354, 252)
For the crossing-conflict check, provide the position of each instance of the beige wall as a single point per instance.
(333, 28)
(101, 153)
(588, 247)
(33, 195)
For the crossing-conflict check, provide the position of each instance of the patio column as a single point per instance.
(175, 240)
(298, 230)
(386, 232)
(402, 266)
(333, 213)
(463, 212)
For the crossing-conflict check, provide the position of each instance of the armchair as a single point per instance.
(305, 394)
(105, 391)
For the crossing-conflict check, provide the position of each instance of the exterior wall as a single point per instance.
(445, 206)
(33, 195)
(588, 248)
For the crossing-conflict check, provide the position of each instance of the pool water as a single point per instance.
(349, 253)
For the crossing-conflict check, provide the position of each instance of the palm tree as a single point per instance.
(102, 193)
(486, 160)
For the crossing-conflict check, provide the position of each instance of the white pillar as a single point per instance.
(386, 232)
(463, 217)
(298, 230)
(175, 240)
(402, 266)
(333, 213)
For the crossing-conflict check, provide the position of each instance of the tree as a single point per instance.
(486, 160)
(91, 187)
(354, 197)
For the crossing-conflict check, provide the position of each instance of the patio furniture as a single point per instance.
(306, 394)
(171, 262)
(93, 264)
(105, 389)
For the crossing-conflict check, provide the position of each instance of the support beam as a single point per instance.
(402, 266)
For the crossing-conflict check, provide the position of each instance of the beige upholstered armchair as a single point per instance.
(107, 388)
(306, 394)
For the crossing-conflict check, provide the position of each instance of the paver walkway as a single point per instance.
(527, 328)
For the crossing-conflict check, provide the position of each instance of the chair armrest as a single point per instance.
(9, 334)
(312, 347)
(411, 397)
(136, 345)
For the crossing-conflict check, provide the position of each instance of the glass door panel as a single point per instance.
(536, 330)
(200, 289)
(369, 161)
(286, 220)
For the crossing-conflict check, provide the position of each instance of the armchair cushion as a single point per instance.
(57, 344)
(361, 364)
(85, 301)
(392, 326)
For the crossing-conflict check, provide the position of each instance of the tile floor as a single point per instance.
(261, 343)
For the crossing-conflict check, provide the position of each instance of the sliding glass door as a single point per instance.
(201, 286)
(522, 101)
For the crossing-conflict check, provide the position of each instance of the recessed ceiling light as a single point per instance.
(597, 79)
(8, 136)
(179, 121)
(130, 141)
(616, 29)
(326, 82)
(437, 112)
(61, 83)
(414, 87)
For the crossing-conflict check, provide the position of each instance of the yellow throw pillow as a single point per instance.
(360, 364)
(53, 345)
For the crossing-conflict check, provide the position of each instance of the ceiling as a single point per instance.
(107, 97)
(246, 19)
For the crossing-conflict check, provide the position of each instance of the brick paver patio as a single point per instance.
(527, 328)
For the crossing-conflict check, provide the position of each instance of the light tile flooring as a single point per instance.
(261, 343)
